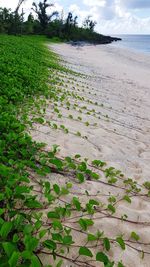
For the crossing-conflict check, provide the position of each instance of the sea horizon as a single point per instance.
(134, 42)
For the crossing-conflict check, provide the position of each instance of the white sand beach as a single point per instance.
(121, 81)
(114, 127)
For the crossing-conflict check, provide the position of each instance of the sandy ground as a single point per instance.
(112, 118)
(121, 81)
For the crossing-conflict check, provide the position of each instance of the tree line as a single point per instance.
(51, 25)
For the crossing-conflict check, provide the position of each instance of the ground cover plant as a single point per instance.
(37, 215)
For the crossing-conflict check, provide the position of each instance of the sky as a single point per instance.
(112, 16)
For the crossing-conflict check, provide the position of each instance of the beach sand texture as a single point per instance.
(114, 123)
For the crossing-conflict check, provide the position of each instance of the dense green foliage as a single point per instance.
(53, 25)
(23, 73)
(22, 66)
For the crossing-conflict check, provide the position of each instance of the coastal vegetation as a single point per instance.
(36, 210)
(53, 25)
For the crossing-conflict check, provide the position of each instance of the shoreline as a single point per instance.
(131, 50)
(135, 43)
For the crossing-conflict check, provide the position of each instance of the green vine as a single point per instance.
(38, 217)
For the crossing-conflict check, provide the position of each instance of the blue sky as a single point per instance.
(112, 16)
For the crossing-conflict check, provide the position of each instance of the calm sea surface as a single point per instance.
(134, 42)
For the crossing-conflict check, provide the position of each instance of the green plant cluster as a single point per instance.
(36, 213)
(23, 73)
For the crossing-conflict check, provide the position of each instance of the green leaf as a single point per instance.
(47, 187)
(14, 259)
(30, 242)
(64, 191)
(9, 248)
(91, 237)
(68, 159)
(15, 238)
(5, 229)
(2, 211)
(95, 175)
(67, 230)
(82, 166)
(100, 256)
(98, 163)
(57, 236)
(57, 162)
(112, 199)
(106, 243)
(53, 215)
(147, 185)
(2, 196)
(28, 229)
(121, 242)
(67, 240)
(56, 189)
(120, 264)
(77, 156)
(80, 177)
(112, 180)
(35, 261)
(69, 185)
(42, 233)
(59, 264)
(90, 208)
(93, 202)
(127, 198)
(50, 244)
(85, 251)
(77, 203)
(22, 189)
(135, 236)
(85, 223)
(142, 255)
(33, 204)
(38, 225)
(26, 254)
(111, 208)
(57, 225)
(109, 264)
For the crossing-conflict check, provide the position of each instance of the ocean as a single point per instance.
(139, 43)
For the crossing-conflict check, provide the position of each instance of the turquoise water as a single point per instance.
(139, 43)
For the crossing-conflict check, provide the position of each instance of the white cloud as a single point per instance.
(133, 25)
(9, 4)
(82, 14)
(27, 5)
(116, 16)
(100, 3)
(135, 4)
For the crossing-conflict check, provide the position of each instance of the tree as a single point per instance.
(29, 24)
(20, 2)
(10, 22)
(69, 19)
(40, 10)
(70, 25)
(4, 19)
(89, 24)
(75, 23)
(17, 20)
(92, 25)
